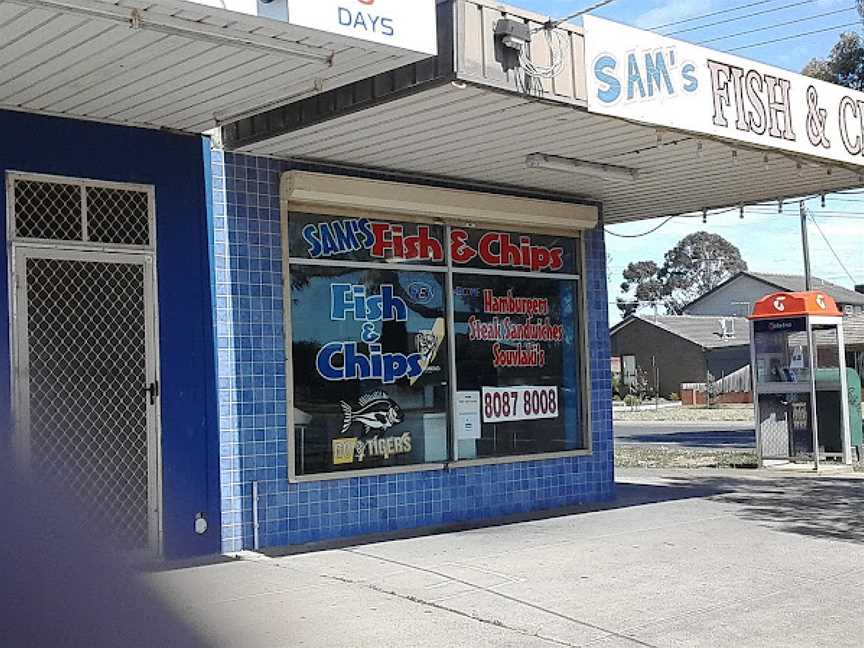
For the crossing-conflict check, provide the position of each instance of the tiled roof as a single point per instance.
(853, 331)
(704, 330)
(795, 283)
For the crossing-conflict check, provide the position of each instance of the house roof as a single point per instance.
(853, 331)
(702, 330)
(796, 283)
(792, 283)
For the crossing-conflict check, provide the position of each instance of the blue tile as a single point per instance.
(247, 240)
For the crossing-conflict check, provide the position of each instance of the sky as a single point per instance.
(769, 241)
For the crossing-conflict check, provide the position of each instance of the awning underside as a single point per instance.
(480, 135)
(171, 64)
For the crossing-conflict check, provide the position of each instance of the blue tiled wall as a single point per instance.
(253, 439)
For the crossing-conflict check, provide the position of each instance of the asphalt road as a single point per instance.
(689, 435)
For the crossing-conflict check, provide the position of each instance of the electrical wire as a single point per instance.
(555, 40)
(631, 236)
(831, 247)
(777, 25)
(711, 15)
(737, 18)
(793, 36)
(552, 24)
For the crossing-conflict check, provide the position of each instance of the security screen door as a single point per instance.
(87, 396)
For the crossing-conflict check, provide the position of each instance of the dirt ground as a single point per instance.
(687, 414)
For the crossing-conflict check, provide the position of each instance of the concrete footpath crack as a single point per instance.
(586, 624)
(443, 608)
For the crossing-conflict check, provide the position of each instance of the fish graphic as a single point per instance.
(376, 411)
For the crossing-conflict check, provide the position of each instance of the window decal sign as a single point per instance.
(381, 240)
(368, 356)
(375, 411)
(505, 250)
(645, 77)
(501, 404)
(345, 360)
(362, 239)
(516, 341)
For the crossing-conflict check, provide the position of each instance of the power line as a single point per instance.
(711, 15)
(552, 24)
(777, 25)
(830, 247)
(651, 231)
(737, 18)
(793, 36)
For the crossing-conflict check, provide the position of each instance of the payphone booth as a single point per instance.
(800, 395)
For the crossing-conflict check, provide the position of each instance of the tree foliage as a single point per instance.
(697, 264)
(845, 64)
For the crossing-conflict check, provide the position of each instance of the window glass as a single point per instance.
(362, 239)
(782, 351)
(517, 365)
(370, 368)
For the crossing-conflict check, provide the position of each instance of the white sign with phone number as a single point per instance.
(502, 404)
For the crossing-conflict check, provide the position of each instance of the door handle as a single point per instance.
(153, 390)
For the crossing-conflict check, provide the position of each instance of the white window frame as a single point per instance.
(448, 270)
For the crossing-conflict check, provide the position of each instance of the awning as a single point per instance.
(350, 196)
(172, 63)
(478, 121)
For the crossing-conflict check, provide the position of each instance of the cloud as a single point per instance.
(668, 13)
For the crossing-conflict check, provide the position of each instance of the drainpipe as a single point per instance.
(256, 540)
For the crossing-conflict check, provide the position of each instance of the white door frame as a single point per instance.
(19, 252)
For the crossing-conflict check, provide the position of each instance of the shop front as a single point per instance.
(108, 360)
(435, 356)
(411, 275)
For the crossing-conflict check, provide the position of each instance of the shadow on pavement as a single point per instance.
(626, 495)
(820, 507)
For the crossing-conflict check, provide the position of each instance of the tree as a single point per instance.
(642, 278)
(697, 264)
(845, 64)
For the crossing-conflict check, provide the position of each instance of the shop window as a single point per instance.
(371, 303)
(517, 357)
(369, 348)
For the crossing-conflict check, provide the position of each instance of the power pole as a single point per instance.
(814, 424)
(808, 283)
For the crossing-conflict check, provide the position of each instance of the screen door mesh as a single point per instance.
(88, 410)
(82, 211)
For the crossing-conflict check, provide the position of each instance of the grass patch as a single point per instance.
(673, 457)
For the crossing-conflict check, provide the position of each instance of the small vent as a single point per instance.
(81, 212)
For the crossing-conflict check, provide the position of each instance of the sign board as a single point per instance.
(468, 415)
(410, 25)
(501, 404)
(645, 77)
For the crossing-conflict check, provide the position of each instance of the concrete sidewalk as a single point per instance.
(689, 559)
